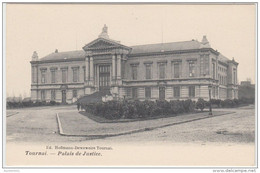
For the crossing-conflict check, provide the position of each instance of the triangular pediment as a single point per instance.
(102, 43)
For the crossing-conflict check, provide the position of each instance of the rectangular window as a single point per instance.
(148, 71)
(43, 95)
(176, 70)
(43, 76)
(213, 92)
(53, 95)
(176, 91)
(64, 75)
(213, 71)
(134, 93)
(191, 69)
(75, 74)
(53, 76)
(162, 67)
(75, 93)
(234, 76)
(147, 92)
(34, 73)
(84, 73)
(204, 65)
(134, 72)
(191, 91)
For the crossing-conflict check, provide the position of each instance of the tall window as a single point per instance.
(234, 76)
(162, 67)
(191, 91)
(134, 93)
(176, 91)
(53, 76)
(75, 74)
(53, 95)
(34, 73)
(43, 76)
(204, 65)
(134, 72)
(64, 75)
(43, 95)
(84, 68)
(148, 71)
(148, 92)
(176, 70)
(213, 91)
(191, 69)
(213, 71)
(75, 93)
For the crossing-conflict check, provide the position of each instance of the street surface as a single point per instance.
(39, 125)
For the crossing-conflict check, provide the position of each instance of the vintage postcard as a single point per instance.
(132, 85)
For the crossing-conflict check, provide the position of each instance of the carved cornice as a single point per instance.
(222, 63)
(175, 52)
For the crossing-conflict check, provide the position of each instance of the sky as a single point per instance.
(230, 29)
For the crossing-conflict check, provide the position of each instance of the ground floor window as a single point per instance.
(134, 93)
(75, 93)
(53, 95)
(213, 92)
(176, 91)
(148, 92)
(161, 93)
(191, 91)
(43, 95)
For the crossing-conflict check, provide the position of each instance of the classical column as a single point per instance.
(91, 71)
(113, 67)
(87, 69)
(119, 67)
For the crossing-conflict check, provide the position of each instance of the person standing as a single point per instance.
(78, 105)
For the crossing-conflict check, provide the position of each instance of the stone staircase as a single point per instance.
(93, 98)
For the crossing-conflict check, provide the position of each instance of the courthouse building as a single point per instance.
(171, 71)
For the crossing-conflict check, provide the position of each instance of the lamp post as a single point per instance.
(210, 107)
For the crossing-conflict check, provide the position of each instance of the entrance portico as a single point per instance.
(103, 62)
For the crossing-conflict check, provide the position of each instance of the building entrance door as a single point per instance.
(104, 77)
(161, 93)
(63, 96)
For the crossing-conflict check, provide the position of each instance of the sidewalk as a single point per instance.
(75, 124)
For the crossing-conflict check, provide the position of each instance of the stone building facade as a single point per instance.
(177, 70)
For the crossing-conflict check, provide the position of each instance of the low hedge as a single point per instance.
(145, 109)
(139, 109)
(227, 103)
(23, 104)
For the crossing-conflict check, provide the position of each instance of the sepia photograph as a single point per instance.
(129, 85)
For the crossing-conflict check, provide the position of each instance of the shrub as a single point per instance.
(52, 103)
(228, 103)
(188, 105)
(200, 104)
(176, 107)
(216, 102)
